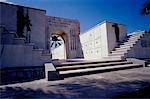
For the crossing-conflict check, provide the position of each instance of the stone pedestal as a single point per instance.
(50, 72)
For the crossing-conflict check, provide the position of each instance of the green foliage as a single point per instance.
(146, 8)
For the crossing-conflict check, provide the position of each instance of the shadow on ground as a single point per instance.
(18, 92)
(85, 89)
(142, 93)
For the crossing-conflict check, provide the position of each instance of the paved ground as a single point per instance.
(103, 85)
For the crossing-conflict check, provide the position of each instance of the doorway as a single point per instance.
(59, 45)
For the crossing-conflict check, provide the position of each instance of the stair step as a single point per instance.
(71, 73)
(114, 53)
(132, 40)
(119, 51)
(38, 51)
(30, 44)
(19, 41)
(87, 62)
(64, 68)
(135, 37)
(128, 43)
(137, 34)
(113, 57)
(124, 47)
(117, 54)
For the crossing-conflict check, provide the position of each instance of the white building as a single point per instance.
(100, 40)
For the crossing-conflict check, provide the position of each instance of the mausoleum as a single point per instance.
(34, 46)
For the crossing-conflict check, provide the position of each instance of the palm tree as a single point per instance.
(146, 8)
(56, 41)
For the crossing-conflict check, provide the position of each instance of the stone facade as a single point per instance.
(36, 16)
(141, 49)
(23, 74)
(69, 30)
(23, 58)
(100, 40)
(20, 60)
(17, 52)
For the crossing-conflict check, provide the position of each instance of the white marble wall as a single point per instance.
(111, 38)
(91, 43)
(98, 41)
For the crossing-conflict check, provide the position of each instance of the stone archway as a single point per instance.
(62, 51)
(69, 30)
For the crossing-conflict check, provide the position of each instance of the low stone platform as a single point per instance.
(103, 85)
(12, 75)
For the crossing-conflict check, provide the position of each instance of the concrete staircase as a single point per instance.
(124, 47)
(71, 69)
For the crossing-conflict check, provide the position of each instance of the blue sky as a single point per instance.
(92, 12)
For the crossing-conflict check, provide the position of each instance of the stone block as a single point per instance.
(7, 38)
(137, 61)
(20, 41)
(50, 72)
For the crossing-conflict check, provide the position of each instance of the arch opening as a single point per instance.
(59, 45)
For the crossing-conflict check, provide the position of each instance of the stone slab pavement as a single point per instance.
(102, 85)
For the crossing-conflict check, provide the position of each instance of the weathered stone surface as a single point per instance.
(96, 43)
(36, 16)
(16, 52)
(21, 74)
(69, 29)
(50, 72)
(104, 85)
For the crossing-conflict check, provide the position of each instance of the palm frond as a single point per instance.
(146, 8)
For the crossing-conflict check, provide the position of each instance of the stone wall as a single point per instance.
(23, 74)
(37, 17)
(16, 51)
(142, 48)
(91, 43)
(18, 58)
(111, 38)
(71, 29)
(98, 41)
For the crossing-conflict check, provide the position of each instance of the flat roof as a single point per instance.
(21, 6)
(99, 25)
(66, 19)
